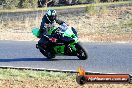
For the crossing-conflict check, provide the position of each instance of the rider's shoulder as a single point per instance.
(44, 17)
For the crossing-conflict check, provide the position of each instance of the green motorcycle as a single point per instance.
(66, 43)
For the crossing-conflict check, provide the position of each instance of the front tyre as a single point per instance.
(81, 52)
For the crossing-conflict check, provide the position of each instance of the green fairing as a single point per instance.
(36, 31)
(51, 30)
(76, 40)
(67, 43)
(73, 47)
(59, 49)
(68, 32)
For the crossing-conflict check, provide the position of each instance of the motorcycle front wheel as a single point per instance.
(81, 52)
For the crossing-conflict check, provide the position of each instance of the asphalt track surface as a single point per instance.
(103, 57)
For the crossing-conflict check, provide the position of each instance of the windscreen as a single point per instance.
(63, 27)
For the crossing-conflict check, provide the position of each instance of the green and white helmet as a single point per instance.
(51, 15)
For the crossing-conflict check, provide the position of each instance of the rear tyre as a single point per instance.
(49, 55)
(81, 52)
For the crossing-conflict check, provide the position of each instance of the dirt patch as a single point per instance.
(106, 38)
(49, 83)
(110, 25)
(114, 25)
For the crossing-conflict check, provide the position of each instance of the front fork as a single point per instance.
(71, 50)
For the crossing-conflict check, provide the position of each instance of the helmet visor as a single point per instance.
(52, 18)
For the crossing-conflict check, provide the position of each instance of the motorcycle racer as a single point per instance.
(48, 20)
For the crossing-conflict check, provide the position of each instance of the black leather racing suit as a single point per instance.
(43, 40)
(43, 29)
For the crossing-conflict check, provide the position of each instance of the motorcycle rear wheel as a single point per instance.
(49, 55)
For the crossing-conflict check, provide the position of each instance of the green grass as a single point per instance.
(128, 24)
(15, 73)
(65, 7)
(92, 9)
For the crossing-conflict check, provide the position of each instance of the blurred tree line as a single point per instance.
(41, 3)
(12, 4)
